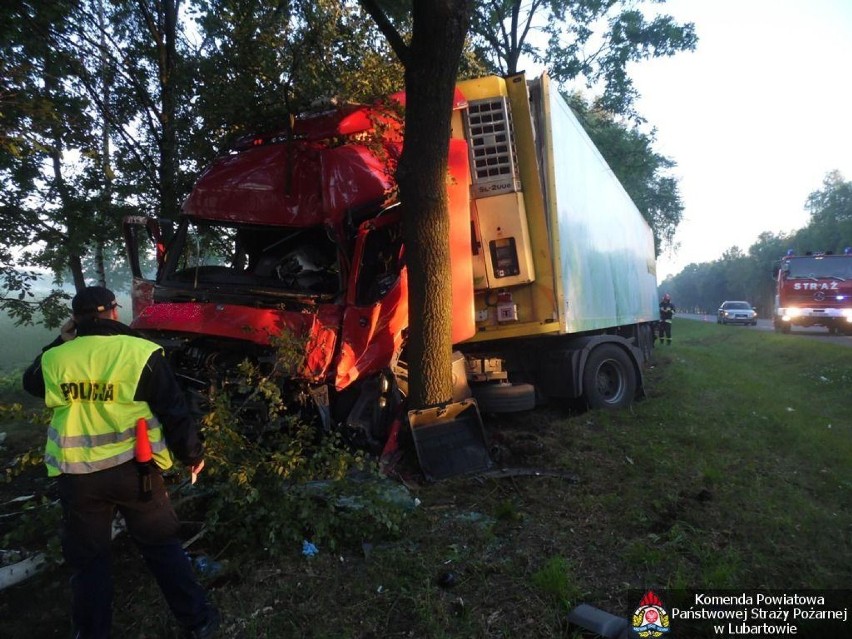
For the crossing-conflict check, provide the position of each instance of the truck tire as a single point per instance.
(504, 398)
(609, 379)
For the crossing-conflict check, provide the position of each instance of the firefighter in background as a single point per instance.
(99, 378)
(667, 310)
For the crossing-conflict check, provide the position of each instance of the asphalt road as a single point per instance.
(816, 332)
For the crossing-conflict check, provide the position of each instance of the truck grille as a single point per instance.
(493, 159)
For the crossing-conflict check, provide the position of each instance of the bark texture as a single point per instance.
(431, 67)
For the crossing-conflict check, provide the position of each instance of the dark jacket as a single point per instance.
(157, 386)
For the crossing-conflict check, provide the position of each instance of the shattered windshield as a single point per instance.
(823, 266)
(302, 261)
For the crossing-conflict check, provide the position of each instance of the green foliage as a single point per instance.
(556, 579)
(289, 481)
(644, 173)
(10, 383)
(586, 40)
(23, 422)
(263, 62)
(60, 129)
(35, 526)
(268, 488)
(508, 511)
(42, 194)
(830, 226)
(36, 529)
(265, 492)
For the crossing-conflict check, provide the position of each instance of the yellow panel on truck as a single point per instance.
(559, 247)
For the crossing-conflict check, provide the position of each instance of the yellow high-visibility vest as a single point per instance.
(90, 383)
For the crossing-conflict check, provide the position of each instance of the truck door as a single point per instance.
(146, 252)
(376, 314)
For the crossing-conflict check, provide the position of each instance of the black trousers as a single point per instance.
(665, 330)
(89, 503)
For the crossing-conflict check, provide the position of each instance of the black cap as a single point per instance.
(93, 299)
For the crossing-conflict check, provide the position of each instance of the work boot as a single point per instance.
(209, 628)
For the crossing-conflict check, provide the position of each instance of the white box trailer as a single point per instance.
(564, 263)
(603, 249)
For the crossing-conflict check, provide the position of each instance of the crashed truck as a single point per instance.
(553, 267)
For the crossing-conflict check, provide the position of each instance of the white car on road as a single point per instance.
(736, 313)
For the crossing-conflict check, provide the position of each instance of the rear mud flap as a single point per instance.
(449, 439)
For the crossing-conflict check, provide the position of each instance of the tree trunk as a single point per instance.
(163, 27)
(439, 31)
(105, 204)
(75, 264)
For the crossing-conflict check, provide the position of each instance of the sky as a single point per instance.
(755, 117)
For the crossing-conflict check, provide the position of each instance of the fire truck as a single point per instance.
(814, 289)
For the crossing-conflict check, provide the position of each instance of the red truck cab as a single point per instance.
(297, 234)
(814, 289)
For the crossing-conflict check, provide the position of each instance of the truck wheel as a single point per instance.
(609, 379)
(504, 398)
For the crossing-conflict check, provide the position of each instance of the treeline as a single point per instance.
(749, 276)
(112, 108)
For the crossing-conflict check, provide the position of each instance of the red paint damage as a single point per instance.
(255, 325)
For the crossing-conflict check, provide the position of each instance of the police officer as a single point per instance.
(99, 378)
(667, 310)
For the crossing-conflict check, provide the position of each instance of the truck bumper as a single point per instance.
(803, 316)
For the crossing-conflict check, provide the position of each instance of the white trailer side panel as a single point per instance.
(603, 247)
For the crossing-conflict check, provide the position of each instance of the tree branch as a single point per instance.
(402, 50)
